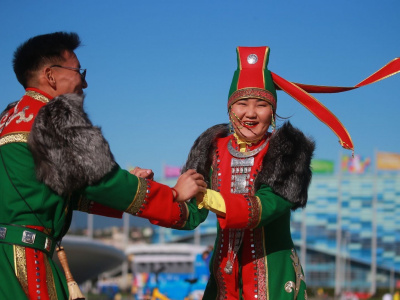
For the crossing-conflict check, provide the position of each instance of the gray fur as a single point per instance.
(201, 155)
(69, 152)
(286, 166)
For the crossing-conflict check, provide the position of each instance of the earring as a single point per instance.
(231, 130)
(273, 124)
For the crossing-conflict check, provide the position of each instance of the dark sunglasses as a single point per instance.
(82, 72)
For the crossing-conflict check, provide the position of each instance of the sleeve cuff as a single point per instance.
(242, 211)
(155, 201)
(213, 201)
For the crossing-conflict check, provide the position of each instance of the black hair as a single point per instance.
(32, 54)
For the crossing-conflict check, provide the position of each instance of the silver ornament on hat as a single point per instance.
(252, 59)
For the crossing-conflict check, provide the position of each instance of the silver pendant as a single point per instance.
(228, 267)
(241, 169)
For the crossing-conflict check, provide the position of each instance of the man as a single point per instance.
(53, 161)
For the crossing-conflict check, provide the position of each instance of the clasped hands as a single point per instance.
(189, 184)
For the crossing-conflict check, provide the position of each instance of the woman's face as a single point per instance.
(251, 118)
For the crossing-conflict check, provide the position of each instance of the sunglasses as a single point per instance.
(82, 72)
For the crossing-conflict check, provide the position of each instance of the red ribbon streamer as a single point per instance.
(300, 92)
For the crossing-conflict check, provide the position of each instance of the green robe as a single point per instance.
(27, 204)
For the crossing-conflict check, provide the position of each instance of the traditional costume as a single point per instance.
(253, 187)
(53, 161)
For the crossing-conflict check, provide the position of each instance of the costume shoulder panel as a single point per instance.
(69, 152)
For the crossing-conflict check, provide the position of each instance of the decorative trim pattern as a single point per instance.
(140, 198)
(184, 214)
(298, 271)
(20, 267)
(218, 270)
(252, 93)
(37, 96)
(254, 211)
(51, 287)
(21, 137)
(261, 264)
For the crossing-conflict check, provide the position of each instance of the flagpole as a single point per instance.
(374, 227)
(161, 230)
(90, 226)
(338, 261)
(125, 265)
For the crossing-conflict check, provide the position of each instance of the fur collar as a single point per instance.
(286, 166)
(69, 152)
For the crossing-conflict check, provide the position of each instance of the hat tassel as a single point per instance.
(73, 288)
(317, 108)
(300, 92)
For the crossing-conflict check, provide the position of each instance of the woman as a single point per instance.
(255, 179)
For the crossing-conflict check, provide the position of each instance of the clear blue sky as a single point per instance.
(159, 71)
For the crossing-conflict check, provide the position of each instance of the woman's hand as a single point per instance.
(188, 185)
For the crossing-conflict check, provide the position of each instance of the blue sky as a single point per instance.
(159, 71)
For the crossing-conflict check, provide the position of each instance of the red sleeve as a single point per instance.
(242, 211)
(155, 201)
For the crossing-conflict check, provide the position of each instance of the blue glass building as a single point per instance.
(337, 229)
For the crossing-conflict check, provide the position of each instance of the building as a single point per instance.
(346, 215)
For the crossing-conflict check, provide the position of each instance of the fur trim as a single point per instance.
(286, 166)
(69, 152)
(201, 155)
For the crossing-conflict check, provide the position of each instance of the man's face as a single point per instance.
(68, 80)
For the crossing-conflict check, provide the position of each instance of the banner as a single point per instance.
(356, 164)
(388, 161)
(322, 166)
(172, 171)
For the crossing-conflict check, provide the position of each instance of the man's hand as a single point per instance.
(188, 185)
(144, 173)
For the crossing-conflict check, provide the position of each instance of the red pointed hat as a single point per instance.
(252, 79)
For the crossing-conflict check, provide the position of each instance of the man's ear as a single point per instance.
(48, 73)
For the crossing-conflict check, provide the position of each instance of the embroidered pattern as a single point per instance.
(14, 138)
(20, 267)
(252, 93)
(299, 276)
(51, 287)
(254, 211)
(260, 262)
(219, 277)
(289, 286)
(37, 96)
(140, 198)
(184, 213)
(216, 185)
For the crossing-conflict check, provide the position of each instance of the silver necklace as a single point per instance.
(238, 154)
